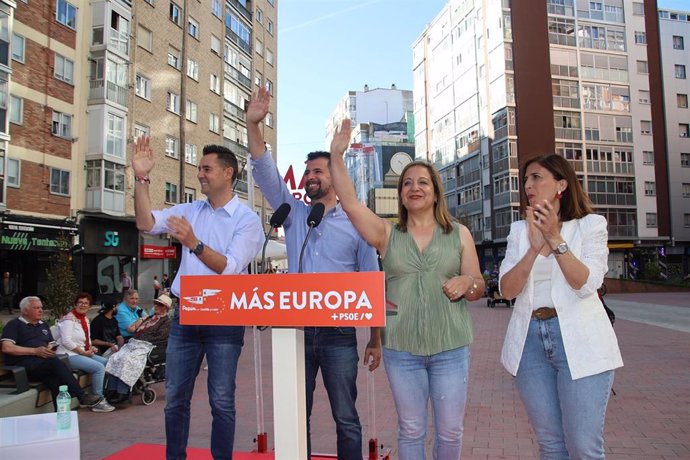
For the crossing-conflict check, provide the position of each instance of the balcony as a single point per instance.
(234, 38)
(107, 90)
(234, 111)
(568, 133)
(236, 75)
(242, 9)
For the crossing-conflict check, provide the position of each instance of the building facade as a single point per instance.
(582, 79)
(88, 79)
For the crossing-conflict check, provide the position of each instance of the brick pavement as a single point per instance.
(649, 418)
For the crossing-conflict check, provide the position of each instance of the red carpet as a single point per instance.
(157, 451)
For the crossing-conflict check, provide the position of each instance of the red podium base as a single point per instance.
(157, 452)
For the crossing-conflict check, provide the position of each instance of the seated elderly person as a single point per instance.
(105, 332)
(129, 314)
(75, 342)
(128, 363)
(27, 341)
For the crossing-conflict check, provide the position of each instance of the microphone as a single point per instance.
(277, 220)
(313, 221)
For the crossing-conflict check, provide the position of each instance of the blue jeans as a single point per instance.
(187, 346)
(567, 415)
(334, 350)
(413, 379)
(94, 365)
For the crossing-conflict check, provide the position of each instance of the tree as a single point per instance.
(62, 286)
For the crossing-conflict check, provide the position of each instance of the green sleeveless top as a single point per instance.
(427, 322)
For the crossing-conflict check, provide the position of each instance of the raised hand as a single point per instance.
(143, 158)
(341, 138)
(258, 106)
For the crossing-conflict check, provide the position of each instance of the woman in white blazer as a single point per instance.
(560, 345)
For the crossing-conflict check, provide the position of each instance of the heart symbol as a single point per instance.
(368, 315)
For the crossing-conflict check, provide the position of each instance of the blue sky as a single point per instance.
(328, 47)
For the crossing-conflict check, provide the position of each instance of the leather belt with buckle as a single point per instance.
(544, 313)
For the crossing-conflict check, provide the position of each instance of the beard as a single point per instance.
(314, 193)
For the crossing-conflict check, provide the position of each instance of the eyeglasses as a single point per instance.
(83, 302)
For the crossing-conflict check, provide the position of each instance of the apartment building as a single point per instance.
(495, 86)
(90, 77)
(674, 37)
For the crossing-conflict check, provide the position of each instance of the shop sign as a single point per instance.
(24, 241)
(158, 252)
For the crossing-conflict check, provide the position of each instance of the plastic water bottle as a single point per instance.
(64, 409)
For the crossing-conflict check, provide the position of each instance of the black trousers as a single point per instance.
(53, 372)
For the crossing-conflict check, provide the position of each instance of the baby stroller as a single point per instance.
(154, 372)
(493, 295)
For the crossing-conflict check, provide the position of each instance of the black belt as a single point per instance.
(544, 313)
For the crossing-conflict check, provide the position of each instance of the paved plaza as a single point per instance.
(648, 418)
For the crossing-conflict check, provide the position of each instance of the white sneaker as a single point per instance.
(103, 406)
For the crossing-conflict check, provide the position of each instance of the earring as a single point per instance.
(559, 195)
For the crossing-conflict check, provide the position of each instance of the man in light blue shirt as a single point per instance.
(334, 246)
(219, 235)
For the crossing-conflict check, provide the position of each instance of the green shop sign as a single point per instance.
(23, 241)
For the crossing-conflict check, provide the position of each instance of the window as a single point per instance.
(685, 160)
(141, 130)
(215, 44)
(66, 13)
(190, 154)
(686, 190)
(172, 147)
(686, 220)
(269, 86)
(173, 102)
(682, 100)
(680, 71)
(647, 157)
(642, 67)
(678, 42)
(62, 125)
(18, 47)
(269, 56)
(214, 83)
(268, 121)
(269, 26)
(114, 176)
(649, 188)
(16, 109)
(13, 175)
(144, 38)
(191, 111)
(640, 38)
(215, 8)
(59, 182)
(683, 130)
(259, 47)
(192, 69)
(259, 15)
(258, 78)
(193, 28)
(214, 123)
(189, 195)
(64, 69)
(170, 193)
(174, 58)
(115, 137)
(651, 220)
(646, 127)
(143, 87)
(175, 14)
(638, 9)
(643, 96)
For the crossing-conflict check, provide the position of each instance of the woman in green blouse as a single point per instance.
(431, 271)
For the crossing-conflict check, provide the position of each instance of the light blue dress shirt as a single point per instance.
(334, 246)
(233, 230)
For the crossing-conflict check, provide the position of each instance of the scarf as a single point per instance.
(84, 326)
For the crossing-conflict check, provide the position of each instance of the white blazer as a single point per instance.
(588, 338)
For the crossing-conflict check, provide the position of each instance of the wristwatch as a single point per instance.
(199, 248)
(561, 249)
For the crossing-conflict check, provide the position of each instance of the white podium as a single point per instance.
(29, 437)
